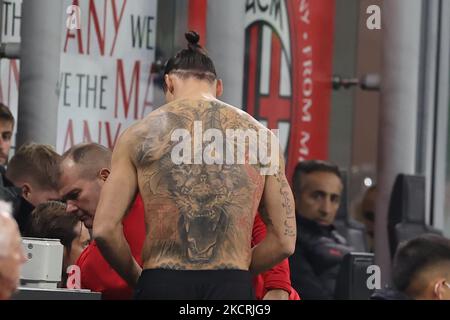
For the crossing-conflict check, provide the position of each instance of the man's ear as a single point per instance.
(26, 191)
(219, 88)
(439, 288)
(169, 83)
(104, 173)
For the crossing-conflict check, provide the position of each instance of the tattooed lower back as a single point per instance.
(198, 216)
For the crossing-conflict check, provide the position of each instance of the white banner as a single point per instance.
(9, 68)
(105, 82)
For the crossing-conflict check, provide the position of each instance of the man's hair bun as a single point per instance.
(193, 38)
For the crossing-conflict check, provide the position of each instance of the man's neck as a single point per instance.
(195, 95)
(193, 89)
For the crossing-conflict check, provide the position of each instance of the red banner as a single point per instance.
(287, 73)
(287, 68)
(312, 34)
(197, 18)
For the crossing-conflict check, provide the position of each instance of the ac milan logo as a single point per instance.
(288, 66)
(268, 79)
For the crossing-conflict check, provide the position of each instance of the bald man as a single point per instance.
(83, 171)
(11, 253)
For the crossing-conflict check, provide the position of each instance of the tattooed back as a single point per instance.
(200, 197)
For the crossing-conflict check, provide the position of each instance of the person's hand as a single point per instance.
(11, 256)
(276, 294)
(8, 285)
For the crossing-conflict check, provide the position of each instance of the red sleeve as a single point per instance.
(276, 278)
(259, 230)
(97, 275)
(134, 228)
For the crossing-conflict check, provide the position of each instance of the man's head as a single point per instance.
(84, 169)
(317, 189)
(421, 268)
(34, 168)
(6, 130)
(190, 71)
(11, 254)
(50, 220)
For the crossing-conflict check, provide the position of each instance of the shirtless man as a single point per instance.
(199, 215)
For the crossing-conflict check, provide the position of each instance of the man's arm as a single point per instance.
(116, 197)
(278, 214)
(276, 294)
(276, 281)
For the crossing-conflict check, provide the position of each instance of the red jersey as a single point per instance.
(278, 277)
(97, 275)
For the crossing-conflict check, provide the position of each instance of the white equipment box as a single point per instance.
(44, 266)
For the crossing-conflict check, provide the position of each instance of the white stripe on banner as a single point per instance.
(285, 79)
(283, 134)
(264, 85)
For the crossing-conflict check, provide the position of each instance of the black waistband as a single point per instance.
(198, 275)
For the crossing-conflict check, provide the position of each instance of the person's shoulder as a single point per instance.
(235, 109)
(142, 126)
(152, 115)
(165, 117)
(245, 116)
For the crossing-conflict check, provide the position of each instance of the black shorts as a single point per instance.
(162, 284)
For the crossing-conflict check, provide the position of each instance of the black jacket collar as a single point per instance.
(21, 208)
(312, 225)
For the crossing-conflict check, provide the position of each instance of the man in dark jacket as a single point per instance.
(21, 208)
(30, 179)
(320, 248)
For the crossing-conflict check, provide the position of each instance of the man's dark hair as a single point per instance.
(90, 157)
(38, 163)
(191, 62)
(310, 166)
(50, 220)
(416, 255)
(5, 114)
